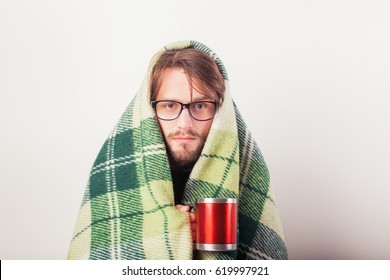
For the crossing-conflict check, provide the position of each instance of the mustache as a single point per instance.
(187, 132)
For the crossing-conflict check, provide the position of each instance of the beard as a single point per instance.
(184, 154)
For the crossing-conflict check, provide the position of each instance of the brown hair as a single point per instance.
(202, 72)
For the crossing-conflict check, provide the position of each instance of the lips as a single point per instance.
(184, 138)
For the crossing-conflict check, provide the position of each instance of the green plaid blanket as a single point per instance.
(128, 209)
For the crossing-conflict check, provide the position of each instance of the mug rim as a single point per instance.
(216, 200)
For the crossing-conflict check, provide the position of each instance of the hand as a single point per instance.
(184, 208)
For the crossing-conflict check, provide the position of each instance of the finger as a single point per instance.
(193, 234)
(192, 218)
(193, 231)
(182, 208)
(178, 206)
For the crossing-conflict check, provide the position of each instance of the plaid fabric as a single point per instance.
(128, 209)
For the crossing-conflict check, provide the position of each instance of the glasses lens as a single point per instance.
(168, 110)
(202, 110)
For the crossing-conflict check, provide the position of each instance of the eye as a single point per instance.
(200, 106)
(170, 105)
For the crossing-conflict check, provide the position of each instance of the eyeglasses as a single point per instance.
(168, 110)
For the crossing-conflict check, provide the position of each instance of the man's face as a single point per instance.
(184, 136)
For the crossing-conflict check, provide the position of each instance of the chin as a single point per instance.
(185, 156)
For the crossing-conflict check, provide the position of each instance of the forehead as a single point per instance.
(175, 85)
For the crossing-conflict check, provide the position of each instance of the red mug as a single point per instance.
(216, 224)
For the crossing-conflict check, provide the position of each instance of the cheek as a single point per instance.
(204, 128)
(165, 128)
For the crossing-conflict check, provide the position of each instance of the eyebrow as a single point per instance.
(203, 98)
(196, 100)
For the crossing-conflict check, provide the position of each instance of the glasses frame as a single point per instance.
(184, 105)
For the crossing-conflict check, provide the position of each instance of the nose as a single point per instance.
(185, 119)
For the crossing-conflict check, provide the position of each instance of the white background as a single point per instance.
(311, 79)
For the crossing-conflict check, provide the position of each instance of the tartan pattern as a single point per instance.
(128, 209)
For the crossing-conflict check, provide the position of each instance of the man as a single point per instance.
(188, 76)
(181, 138)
